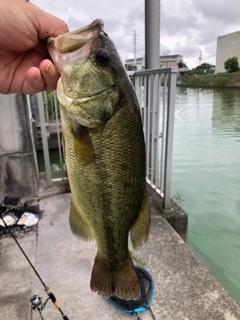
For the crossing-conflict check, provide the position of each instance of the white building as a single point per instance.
(140, 63)
(228, 46)
(169, 61)
(165, 61)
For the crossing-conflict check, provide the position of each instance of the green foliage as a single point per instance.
(206, 66)
(203, 69)
(231, 65)
(49, 106)
(130, 67)
(178, 199)
(181, 64)
(213, 80)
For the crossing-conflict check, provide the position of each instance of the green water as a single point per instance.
(54, 161)
(206, 172)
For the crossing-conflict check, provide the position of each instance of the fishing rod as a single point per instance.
(37, 303)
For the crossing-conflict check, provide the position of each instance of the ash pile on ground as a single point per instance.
(21, 218)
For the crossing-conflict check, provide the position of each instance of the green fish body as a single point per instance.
(104, 152)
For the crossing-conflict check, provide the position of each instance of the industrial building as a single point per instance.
(165, 61)
(228, 46)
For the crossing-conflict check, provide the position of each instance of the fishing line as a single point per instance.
(36, 301)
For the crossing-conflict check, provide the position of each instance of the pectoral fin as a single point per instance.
(83, 147)
(78, 226)
(140, 230)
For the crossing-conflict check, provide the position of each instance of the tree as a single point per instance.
(231, 65)
(181, 64)
(206, 66)
(130, 67)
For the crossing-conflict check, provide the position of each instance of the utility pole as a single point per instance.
(167, 58)
(152, 61)
(135, 47)
(200, 58)
(152, 34)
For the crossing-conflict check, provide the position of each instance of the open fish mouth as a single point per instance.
(74, 45)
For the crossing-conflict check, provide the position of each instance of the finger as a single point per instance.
(34, 82)
(48, 24)
(49, 74)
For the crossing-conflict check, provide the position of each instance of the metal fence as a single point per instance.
(48, 128)
(156, 91)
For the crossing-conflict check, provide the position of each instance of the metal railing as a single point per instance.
(45, 111)
(156, 92)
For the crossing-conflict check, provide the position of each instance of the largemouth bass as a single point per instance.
(104, 152)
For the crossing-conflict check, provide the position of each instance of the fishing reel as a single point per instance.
(37, 304)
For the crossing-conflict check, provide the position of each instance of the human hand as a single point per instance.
(25, 65)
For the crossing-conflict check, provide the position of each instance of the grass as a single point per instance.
(214, 80)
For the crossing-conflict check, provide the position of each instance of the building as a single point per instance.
(140, 63)
(228, 46)
(170, 61)
(165, 61)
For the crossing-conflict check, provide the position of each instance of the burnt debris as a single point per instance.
(21, 216)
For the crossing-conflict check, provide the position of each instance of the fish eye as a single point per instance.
(102, 57)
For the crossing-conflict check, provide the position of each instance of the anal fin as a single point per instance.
(140, 230)
(78, 226)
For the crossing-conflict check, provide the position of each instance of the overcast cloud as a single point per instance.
(187, 26)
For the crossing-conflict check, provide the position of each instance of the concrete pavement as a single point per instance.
(184, 288)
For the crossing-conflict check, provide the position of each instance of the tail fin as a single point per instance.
(121, 280)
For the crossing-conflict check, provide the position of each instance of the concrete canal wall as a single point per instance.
(18, 168)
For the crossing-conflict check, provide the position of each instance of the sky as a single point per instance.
(187, 27)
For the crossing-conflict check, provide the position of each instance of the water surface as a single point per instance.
(206, 172)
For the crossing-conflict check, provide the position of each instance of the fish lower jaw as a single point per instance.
(80, 120)
(88, 97)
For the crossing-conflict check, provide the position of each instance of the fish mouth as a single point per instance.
(74, 45)
(74, 40)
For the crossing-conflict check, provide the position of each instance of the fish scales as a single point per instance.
(105, 156)
(109, 176)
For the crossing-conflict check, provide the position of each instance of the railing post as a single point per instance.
(58, 132)
(169, 137)
(44, 138)
(152, 34)
(31, 130)
(159, 126)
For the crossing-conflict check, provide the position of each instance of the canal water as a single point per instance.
(206, 173)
